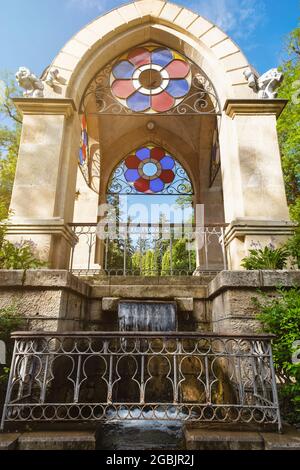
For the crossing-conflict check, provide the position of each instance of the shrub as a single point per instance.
(281, 316)
(9, 322)
(19, 255)
(293, 245)
(266, 258)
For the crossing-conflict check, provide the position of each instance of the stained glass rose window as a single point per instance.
(151, 79)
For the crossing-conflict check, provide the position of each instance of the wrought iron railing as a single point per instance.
(94, 377)
(127, 256)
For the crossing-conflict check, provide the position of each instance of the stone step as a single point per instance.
(66, 440)
(206, 439)
(152, 287)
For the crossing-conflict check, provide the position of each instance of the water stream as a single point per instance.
(147, 316)
(142, 435)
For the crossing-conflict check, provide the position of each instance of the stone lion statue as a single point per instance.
(33, 86)
(265, 85)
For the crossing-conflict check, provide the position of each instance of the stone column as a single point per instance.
(45, 184)
(255, 202)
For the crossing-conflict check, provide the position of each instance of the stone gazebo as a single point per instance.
(150, 81)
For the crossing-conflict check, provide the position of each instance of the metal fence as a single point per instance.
(125, 253)
(141, 376)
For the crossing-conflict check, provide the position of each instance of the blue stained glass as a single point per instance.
(162, 57)
(143, 153)
(81, 157)
(123, 70)
(138, 102)
(178, 88)
(132, 175)
(156, 185)
(167, 163)
(149, 169)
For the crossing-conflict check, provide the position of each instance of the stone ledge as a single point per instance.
(57, 441)
(247, 107)
(45, 106)
(43, 278)
(242, 227)
(205, 439)
(9, 441)
(29, 227)
(220, 439)
(289, 441)
(251, 280)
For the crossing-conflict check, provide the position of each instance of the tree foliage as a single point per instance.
(288, 124)
(281, 317)
(10, 131)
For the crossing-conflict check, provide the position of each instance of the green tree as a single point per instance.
(288, 124)
(10, 133)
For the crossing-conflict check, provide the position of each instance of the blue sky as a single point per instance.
(33, 31)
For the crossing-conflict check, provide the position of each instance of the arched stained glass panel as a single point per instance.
(150, 170)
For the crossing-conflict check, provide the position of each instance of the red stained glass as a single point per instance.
(157, 153)
(139, 57)
(167, 176)
(123, 88)
(142, 185)
(132, 162)
(178, 69)
(162, 102)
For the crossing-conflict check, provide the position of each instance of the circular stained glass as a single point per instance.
(149, 170)
(151, 79)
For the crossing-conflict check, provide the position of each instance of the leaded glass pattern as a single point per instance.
(150, 170)
(151, 79)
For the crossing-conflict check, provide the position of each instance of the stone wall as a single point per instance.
(48, 300)
(231, 296)
(56, 300)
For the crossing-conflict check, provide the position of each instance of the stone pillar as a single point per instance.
(255, 202)
(45, 184)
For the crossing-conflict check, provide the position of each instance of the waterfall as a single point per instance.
(147, 316)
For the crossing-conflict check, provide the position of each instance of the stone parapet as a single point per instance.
(231, 296)
(47, 300)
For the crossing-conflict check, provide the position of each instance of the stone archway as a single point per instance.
(51, 127)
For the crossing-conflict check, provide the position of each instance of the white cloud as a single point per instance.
(238, 17)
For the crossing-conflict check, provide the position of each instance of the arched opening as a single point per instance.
(155, 100)
(151, 215)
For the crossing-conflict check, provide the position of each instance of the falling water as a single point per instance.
(147, 316)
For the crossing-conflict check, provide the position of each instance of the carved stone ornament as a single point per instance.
(52, 77)
(265, 85)
(33, 86)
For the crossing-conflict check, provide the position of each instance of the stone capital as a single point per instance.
(45, 106)
(242, 227)
(234, 107)
(28, 227)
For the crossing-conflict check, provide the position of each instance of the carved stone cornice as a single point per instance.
(28, 227)
(242, 227)
(257, 106)
(45, 106)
